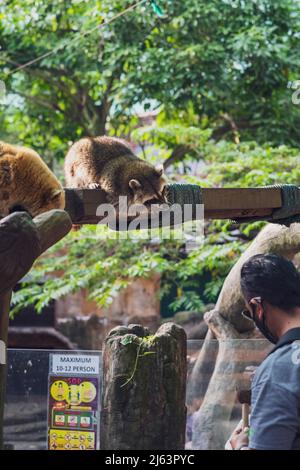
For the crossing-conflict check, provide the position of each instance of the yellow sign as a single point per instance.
(73, 401)
(71, 440)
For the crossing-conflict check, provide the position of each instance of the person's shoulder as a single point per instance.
(286, 356)
(281, 367)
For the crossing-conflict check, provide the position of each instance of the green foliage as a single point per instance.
(189, 301)
(176, 141)
(232, 61)
(249, 164)
(217, 72)
(91, 260)
(228, 61)
(104, 267)
(73, 92)
(172, 134)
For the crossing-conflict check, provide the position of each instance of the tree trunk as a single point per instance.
(143, 404)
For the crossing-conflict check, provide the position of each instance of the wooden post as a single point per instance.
(143, 402)
(22, 240)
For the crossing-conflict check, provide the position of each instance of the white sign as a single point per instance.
(78, 364)
(2, 353)
(2, 90)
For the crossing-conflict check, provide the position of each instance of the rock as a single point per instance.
(197, 331)
(150, 321)
(86, 332)
(192, 322)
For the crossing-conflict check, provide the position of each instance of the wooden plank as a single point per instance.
(219, 203)
(241, 198)
(237, 213)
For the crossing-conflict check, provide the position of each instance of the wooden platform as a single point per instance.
(219, 203)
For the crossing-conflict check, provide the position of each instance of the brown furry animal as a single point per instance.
(26, 183)
(109, 163)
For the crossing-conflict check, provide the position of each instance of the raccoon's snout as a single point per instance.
(155, 200)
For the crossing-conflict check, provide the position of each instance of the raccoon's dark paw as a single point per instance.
(94, 186)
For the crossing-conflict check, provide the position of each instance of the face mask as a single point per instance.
(261, 325)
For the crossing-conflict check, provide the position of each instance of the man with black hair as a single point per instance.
(271, 288)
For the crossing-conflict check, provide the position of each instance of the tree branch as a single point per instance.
(177, 154)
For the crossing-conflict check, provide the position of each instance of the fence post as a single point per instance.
(144, 384)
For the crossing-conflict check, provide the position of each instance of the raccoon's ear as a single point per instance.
(135, 185)
(55, 193)
(159, 169)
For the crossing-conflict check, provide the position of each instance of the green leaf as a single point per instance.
(156, 8)
(127, 339)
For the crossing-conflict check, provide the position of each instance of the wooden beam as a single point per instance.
(241, 198)
(219, 203)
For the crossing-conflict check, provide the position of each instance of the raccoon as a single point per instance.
(26, 183)
(109, 163)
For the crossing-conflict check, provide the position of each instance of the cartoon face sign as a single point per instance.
(59, 390)
(88, 392)
(73, 395)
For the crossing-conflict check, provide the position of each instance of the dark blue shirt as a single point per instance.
(275, 397)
